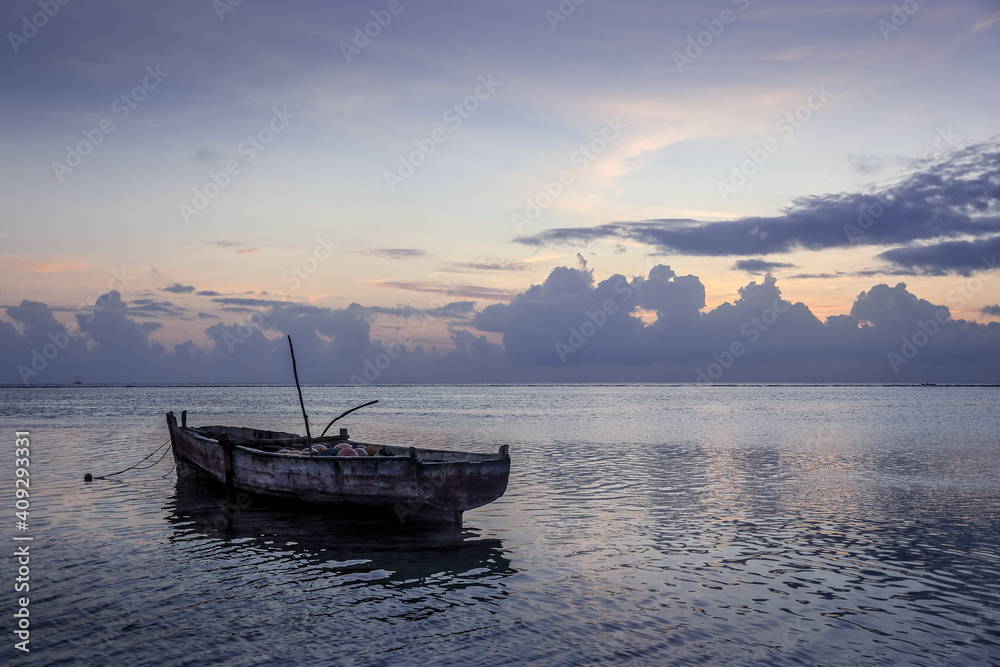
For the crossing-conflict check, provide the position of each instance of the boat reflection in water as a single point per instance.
(350, 546)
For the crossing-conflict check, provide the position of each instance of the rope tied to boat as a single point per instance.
(89, 478)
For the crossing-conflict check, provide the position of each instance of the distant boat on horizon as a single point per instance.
(77, 381)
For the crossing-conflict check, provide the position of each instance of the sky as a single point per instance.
(578, 191)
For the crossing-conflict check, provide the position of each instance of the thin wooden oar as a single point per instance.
(345, 414)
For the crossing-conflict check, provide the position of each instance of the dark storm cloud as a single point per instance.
(759, 266)
(957, 196)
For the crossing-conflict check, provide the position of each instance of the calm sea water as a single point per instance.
(642, 525)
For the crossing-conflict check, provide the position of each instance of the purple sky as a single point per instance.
(478, 186)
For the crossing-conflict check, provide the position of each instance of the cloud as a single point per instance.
(35, 318)
(207, 292)
(44, 266)
(456, 310)
(149, 307)
(177, 288)
(993, 310)
(241, 247)
(814, 276)
(543, 325)
(37, 344)
(758, 266)
(957, 196)
(569, 328)
(961, 257)
(468, 291)
(120, 344)
(394, 253)
(865, 164)
(893, 308)
(569, 321)
(205, 155)
(492, 265)
(986, 22)
(453, 310)
(246, 302)
(109, 345)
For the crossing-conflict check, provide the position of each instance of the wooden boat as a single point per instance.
(409, 482)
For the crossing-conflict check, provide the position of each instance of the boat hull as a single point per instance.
(412, 483)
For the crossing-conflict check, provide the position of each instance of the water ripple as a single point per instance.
(643, 525)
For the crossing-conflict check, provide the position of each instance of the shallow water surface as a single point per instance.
(643, 524)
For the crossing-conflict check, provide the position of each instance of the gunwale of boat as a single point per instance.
(256, 446)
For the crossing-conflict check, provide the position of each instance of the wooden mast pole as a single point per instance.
(302, 404)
